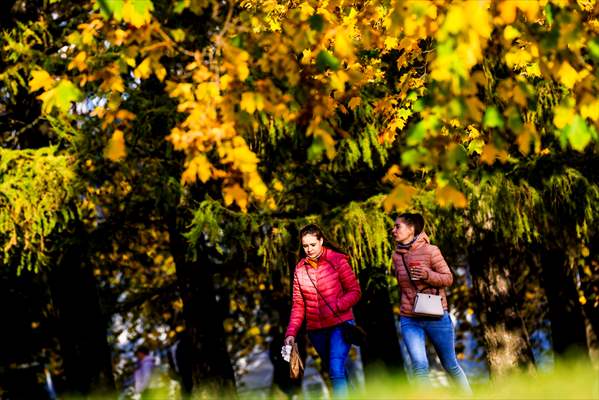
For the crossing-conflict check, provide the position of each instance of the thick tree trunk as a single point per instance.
(590, 310)
(568, 330)
(211, 369)
(21, 364)
(82, 328)
(374, 313)
(505, 335)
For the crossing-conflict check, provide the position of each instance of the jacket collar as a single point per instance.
(421, 240)
(322, 257)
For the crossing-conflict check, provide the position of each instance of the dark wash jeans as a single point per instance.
(414, 331)
(333, 351)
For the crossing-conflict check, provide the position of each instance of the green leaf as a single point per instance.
(594, 48)
(410, 157)
(316, 150)
(549, 14)
(60, 96)
(325, 60)
(111, 8)
(514, 121)
(492, 118)
(416, 134)
(457, 156)
(578, 133)
(476, 146)
(316, 22)
(179, 7)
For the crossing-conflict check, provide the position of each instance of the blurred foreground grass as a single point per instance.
(566, 380)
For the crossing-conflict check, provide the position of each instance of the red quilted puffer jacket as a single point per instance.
(336, 282)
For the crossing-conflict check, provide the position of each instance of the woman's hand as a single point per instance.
(289, 340)
(418, 272)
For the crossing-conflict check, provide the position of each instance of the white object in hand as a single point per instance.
(286, 352)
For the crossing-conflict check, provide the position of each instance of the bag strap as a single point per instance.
(405, 265)
(321, 296)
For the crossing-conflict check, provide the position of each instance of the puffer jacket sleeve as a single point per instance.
(351, 287)
(439, 275)
(297, 309)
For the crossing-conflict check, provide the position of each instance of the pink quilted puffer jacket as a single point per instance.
(336, 282)
(429, 257)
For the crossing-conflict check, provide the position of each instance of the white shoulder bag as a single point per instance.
(426, 305)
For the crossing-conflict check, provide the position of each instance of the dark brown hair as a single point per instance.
(413, 219)
(313, 229)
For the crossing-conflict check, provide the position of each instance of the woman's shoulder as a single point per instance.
(334, 255)
(300, 264)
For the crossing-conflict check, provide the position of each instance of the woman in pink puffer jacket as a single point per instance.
(428, 273)
(324, 291)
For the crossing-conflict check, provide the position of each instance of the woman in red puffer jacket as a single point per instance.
(324, 291)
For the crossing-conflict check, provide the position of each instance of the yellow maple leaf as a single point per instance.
(78, 62)
(277, 185)
(114, 83)
(563, 116)
(567, 75)
(256, 185)
(137, 12)
(589, 108)
(240, 60)
(40, 79)
(307, 56)
(338, 80)
(517, 57)
(507, 11)
(400, 197)
(455, 19)
(511, 33)
(489, 154)
(202, 167)
(354, 102)
(125, 115)
(525, 137)
(248, 102)
(306, 10)
(115, 150)
(392, 174)
(143, 70)
(343, 45)
(159, 71)
(235, 194)
(450, 196)
(224, 81)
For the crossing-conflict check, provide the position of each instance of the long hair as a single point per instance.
(313, 229)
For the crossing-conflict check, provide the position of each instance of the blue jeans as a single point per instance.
(440, 332)
(333, 351)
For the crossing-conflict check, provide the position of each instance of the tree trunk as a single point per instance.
(505, 335)
(568, 330)
(81, 325)
(22, 299)
(211, 369)
(374, 313)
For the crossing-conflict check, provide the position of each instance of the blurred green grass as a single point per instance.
(566, 380)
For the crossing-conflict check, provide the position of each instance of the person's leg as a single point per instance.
(414, 339)
(339, 350)
(442, 337)
(320, 339)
